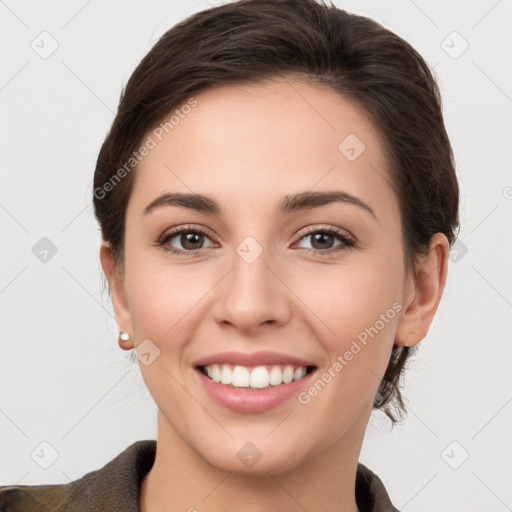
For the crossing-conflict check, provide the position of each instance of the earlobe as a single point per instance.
(422, 293)
(117, 290)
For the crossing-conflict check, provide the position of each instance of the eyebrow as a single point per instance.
(288, 204)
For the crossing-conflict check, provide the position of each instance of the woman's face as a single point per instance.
(255, 283)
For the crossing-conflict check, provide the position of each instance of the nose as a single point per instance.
(252, 295)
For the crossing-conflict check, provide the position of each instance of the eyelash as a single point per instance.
(346, 242)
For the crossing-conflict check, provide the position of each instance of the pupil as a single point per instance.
(189, 238)
(321, 236)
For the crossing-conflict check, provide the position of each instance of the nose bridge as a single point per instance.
(251, 294)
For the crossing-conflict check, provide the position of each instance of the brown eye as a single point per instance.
(191, 241)
(184, 241)
(323, 241)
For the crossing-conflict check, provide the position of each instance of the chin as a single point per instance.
(251, 458)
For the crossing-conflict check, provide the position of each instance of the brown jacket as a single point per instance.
(115, 488)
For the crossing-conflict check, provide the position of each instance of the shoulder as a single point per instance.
(113, 487)
(371, 494)
(31, 498)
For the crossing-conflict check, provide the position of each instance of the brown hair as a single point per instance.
(252, 41)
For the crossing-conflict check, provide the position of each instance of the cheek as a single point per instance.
(165, 306)
(164, 299)
(357, 311)
(361, 310)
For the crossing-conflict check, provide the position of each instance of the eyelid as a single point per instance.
(325, 227)
(173, 231)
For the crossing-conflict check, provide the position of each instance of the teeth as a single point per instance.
(215, 373)
(288, 374)
(299, 373)
(240, 377)
(275, 376)
(226, 375)
(259, 377)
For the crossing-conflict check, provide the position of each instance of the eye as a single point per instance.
(323, 240)
(191, 240)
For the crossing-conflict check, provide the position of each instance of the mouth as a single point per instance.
(256, 389)
(253, 382)
(254, 377)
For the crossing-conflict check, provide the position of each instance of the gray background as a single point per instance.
(64, 380)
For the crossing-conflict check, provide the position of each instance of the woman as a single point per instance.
(277, 200)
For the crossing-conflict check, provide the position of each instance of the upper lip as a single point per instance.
(252, 359)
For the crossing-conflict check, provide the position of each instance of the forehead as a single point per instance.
(252, 144)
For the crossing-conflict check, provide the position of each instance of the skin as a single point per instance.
(246, 147)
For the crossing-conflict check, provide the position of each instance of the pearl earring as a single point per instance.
(124, 336)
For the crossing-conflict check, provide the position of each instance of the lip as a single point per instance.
(253, 400)
(252, 359)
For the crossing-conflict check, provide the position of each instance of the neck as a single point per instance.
(181, 478)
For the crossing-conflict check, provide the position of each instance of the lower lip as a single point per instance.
(252, 400)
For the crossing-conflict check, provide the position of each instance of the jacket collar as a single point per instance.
(116, 486)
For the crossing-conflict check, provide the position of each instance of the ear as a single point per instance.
(117, 290)
(422, 293)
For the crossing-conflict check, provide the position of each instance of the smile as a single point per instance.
(256, 377)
